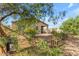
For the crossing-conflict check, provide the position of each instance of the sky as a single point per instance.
(72, 10)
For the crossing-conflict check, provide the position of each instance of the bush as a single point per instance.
(71, 26)
(14, 41)
(46, 50)
(30, 32)
(3, 41)
(54, 52)
(41, 43)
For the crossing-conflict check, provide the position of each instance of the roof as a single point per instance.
(43, 22)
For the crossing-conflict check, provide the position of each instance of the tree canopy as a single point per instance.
(25, 10)
(71, 25)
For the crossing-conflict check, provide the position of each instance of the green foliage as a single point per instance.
(39, 52)
(71, 26)
(30, 32)
(58, 35)
(55, 52)
(25, 10)
(41, 48)
(14, 41)
(26, 27)
(46, 50)
(3, 41)
(41, 44)
(24, 24)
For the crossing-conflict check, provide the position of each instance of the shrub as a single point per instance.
(46, 50)
(3, 41)
(41, 43)
(54, 52)
(14, 41)
(30, 32)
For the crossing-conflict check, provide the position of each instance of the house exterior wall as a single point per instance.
(40, 24)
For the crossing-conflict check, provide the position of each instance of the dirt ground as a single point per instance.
(71, 46)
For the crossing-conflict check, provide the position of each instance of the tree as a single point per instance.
(71, 25)
(23, 24)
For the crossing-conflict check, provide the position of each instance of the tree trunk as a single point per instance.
(2, 33)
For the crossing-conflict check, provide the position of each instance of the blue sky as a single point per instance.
(72, 11)
(71, 8)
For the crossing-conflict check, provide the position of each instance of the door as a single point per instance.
(42, 29)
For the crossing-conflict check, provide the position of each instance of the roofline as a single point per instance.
(43, 22)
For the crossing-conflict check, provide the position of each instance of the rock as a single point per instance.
(2, 52)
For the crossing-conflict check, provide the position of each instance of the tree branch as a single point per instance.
(2, 18)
